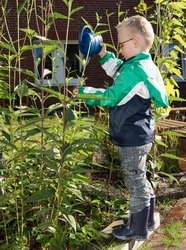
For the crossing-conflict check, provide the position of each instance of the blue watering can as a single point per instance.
(88, 39)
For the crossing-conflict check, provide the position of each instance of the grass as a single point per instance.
(174, 234)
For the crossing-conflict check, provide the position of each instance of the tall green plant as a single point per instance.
(31, 148)
(168, 19)
(44, 201)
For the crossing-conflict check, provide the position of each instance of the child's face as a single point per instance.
(128, 43)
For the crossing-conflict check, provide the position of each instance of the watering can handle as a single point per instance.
(82, 31)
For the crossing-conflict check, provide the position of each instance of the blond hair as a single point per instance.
(138, 24)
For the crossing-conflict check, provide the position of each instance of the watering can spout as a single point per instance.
(89, 43)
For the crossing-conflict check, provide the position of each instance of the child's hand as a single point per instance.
(75, 91)
(103, 50)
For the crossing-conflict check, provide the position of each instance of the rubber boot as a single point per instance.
(137, 230)
(151, 221)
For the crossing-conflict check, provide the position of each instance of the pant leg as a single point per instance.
(133, 163)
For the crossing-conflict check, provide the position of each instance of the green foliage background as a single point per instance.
(47, 198)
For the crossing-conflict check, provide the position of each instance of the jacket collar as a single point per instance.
(140, 56)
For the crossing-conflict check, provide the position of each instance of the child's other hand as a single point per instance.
(103, 50)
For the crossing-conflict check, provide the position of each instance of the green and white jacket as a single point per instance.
(137, 82)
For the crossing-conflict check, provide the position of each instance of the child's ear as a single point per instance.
(136, 42)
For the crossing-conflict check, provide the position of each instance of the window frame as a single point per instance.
(59, 64)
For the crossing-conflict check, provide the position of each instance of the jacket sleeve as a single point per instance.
(110, 64)
(113, 95)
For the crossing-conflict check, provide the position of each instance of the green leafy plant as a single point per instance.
(168, 19)
(162, 160)
(42, 178)
(47, 198)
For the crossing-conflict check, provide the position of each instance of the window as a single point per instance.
(181, 60)
(54, 65)
(72, 61)
(48, 68)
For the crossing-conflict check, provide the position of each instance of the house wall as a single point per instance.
(95, 75)
(182, 90)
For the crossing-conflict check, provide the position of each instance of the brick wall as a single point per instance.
(95, 74)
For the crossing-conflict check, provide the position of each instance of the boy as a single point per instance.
(137, 82)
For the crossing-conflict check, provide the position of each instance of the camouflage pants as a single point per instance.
(133, 163)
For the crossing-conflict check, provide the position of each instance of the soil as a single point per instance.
(167, 190)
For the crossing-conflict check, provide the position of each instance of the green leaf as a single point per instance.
(53, 92)
(33, 46)
(102, 24)
(171, 156)
(111, 46)
(7, 46)
(159, 142)
(101, 32)
(87, 23)
(70, 115)
(76, 10)
(44, 39)
(3, 199)
(76, 192)
(170, 176)
(111, 14)
(177, 22)
(91, 97)
(179, 31)
(173, 54)
(96, 202)
(180, 40)
(32, 132)
(179, 49)
(21, 90)
(40, 152)
(24, 71)
(31, 92)
(46, 132)
(98, 18)
(71, 220)
(28, 111)
(68, 79)
(161, 61)
(121, 13)
(30, 33)
(173, 82)
(82, 62)
(174, 133)
(53, 108)
(178, 5)
(41, 19)
(9, 144)
(6, 135)
(57, 15)
(177, 72)
(178, 99)
(160, 1)
(48, 49)
(21, 7)
(41, 195)
(66, 2)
